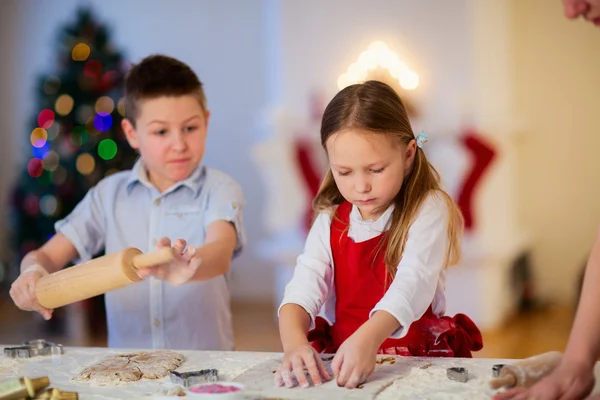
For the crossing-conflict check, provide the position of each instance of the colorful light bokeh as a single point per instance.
(48, 205)
(64, 104)
(92, 68)
(80, 52)
(105, 105)
(38, 137)
(53, 131)
(90, 128)
(84, 113)
(107, 149)
(51, 160)
(42, 151)
(78, 136)
(35, 167)
(59, 176)
(121, 106)
(46, 118)
(85, 164)
(32, 205)
(103, 121)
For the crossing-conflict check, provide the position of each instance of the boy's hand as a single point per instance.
(22, 291)
(293, 365)
(178, 271)
(354, 361)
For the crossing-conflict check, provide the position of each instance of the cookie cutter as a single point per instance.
(34, 348)
(458, 374)
(191, 378)
(496, 370)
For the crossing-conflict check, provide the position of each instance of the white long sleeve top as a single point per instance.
(419, 281)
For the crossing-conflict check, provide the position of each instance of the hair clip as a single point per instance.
(421, 139)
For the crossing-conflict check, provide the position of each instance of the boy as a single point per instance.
(168, 194)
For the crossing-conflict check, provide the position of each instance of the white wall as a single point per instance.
(8, 125)
(557, 89)
(220, 40)
(320, 39)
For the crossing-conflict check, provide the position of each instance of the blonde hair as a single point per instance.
(376, 107)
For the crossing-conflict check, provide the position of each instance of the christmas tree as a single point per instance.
(75, 137)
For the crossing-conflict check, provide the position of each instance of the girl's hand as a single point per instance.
(178, 271)
(294, 361)
(355, 360)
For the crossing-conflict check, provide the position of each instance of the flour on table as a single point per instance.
(8, 365)
(113, 370)
(433, 384)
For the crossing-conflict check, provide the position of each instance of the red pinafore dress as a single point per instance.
(360, 283)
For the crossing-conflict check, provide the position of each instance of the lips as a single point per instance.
(365, 201)
(179, 161)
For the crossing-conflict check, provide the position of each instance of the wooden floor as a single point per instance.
(255, 329)
(525, 335)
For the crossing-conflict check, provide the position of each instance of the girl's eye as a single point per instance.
(346, 173)
(191, 128)
(377, 171)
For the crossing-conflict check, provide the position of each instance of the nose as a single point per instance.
(179, 143)
(362, 184)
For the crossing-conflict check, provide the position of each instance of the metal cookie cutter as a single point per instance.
(496, 370)
(458, 374)
(191, 378)
(34, 348)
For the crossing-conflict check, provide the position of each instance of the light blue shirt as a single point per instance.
(126, 210)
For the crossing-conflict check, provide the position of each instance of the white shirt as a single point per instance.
(126, 210)
(419, 281)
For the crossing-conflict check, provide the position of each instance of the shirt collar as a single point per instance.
(378, 224)
(139, 175)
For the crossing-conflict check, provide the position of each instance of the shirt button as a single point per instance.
(157, 202)
(154, 241)
(156, 322)
(155, 283)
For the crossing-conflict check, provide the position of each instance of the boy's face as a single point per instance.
(170, 133)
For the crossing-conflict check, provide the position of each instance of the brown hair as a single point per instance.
(376, 107)
(157, 76)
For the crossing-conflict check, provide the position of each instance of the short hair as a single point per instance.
(157, 76)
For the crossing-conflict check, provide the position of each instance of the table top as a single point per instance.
(394, 378)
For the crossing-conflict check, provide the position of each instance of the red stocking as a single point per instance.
(310, 174)
(483, 154)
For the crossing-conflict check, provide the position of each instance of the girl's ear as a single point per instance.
(409, 154)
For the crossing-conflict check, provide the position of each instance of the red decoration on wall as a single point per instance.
(310, 174)
(483, 155)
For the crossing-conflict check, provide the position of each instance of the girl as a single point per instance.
(373, 265)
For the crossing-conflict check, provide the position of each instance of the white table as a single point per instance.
(402, 380)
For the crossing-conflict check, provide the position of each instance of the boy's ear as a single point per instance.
(129, 131)
(206, 118)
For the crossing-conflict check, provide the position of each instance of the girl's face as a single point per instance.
(368, 168)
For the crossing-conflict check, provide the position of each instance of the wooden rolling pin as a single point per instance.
(527, 372)
(97, 276)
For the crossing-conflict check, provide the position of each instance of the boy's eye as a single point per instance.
(377, 171)
(161, 132)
